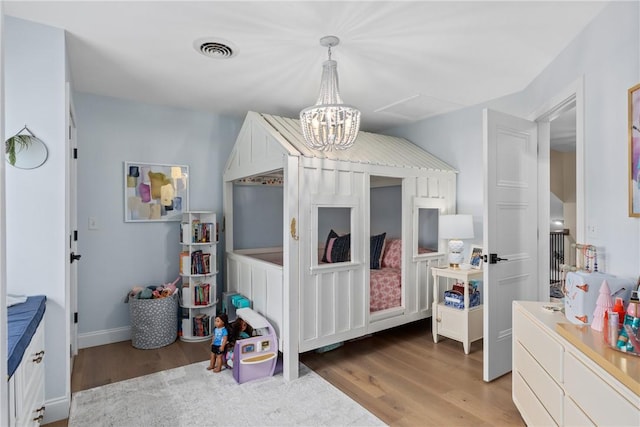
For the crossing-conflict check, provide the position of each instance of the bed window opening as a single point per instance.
(426, 220)
(334, 235)
(427, 230)
(258, 214)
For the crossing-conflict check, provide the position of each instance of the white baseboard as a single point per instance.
(107, 336)
(56, 409)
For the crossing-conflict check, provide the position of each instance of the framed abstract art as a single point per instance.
(634, 151)
(155, 192)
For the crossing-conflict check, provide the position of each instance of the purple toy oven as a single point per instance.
(255, 357)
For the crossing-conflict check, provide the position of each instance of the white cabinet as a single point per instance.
(464, 324)
(26, 385)
(556, 383)
(198, 268)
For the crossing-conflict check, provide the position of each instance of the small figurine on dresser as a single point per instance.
(219, 342)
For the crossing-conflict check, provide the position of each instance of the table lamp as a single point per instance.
(455, 228)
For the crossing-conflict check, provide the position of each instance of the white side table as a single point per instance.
(464, 325)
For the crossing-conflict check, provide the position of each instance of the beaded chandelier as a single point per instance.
(330, 124)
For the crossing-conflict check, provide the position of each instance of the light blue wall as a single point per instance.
(257, 216)
(607, 55)
(119, 255)
(386, 211)
(36, 229)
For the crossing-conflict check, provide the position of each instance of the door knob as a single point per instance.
(493, 258)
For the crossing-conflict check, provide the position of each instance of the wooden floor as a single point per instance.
(399, 375)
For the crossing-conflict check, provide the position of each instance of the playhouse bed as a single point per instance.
(312, 304)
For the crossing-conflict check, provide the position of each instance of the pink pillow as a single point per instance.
(392, 256)
(330, 248)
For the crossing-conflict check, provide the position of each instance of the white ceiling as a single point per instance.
(398, 62)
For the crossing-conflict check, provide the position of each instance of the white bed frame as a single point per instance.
(313, 305)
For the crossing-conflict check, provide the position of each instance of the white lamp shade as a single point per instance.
(455, 227)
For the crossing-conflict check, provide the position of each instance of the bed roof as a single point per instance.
(369, 148)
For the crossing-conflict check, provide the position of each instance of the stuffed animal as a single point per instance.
(146, 293)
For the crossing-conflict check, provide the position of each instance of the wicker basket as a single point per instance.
(154, 322)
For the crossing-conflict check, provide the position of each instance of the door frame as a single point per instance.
(72, 215)
(572, 95)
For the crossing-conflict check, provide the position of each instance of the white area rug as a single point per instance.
(192, 396)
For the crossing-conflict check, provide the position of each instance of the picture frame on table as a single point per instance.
(475, 257)
(155, 192)
(634, 151)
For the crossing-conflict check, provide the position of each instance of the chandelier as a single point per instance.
(330, 123)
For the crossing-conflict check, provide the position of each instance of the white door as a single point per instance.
(510, 230)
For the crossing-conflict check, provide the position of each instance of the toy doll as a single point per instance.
(219, 342)
(240, 330)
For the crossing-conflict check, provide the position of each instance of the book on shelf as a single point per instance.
(201, 232)
(200, 262)
(201, 325)
(201, 296)
(206, 263)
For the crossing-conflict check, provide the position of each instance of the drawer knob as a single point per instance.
(438, 319)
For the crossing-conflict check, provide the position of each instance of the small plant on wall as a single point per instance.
(16, 144)
(24, 150)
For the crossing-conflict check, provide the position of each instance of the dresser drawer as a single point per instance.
(600, 401)
(542, 347)
(532, 411)
(31, 412)
(32, 364)
(573, 415)
(548, 392)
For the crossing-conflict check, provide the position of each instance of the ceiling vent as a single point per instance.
(215, 48)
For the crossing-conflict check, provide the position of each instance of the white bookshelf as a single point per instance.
(198, 268)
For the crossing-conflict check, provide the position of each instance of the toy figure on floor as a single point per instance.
(239, 331)
(219, 342)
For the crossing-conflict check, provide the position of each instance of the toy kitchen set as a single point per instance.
(255, 357)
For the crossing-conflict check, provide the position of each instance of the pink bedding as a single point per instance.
(386, 289)
(386, 284)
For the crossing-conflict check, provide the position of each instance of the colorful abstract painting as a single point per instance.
(155, 192)
(634, 151)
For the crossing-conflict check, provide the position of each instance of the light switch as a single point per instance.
(93, 223)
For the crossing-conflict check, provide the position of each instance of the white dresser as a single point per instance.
(564, 374)
(26, 385)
